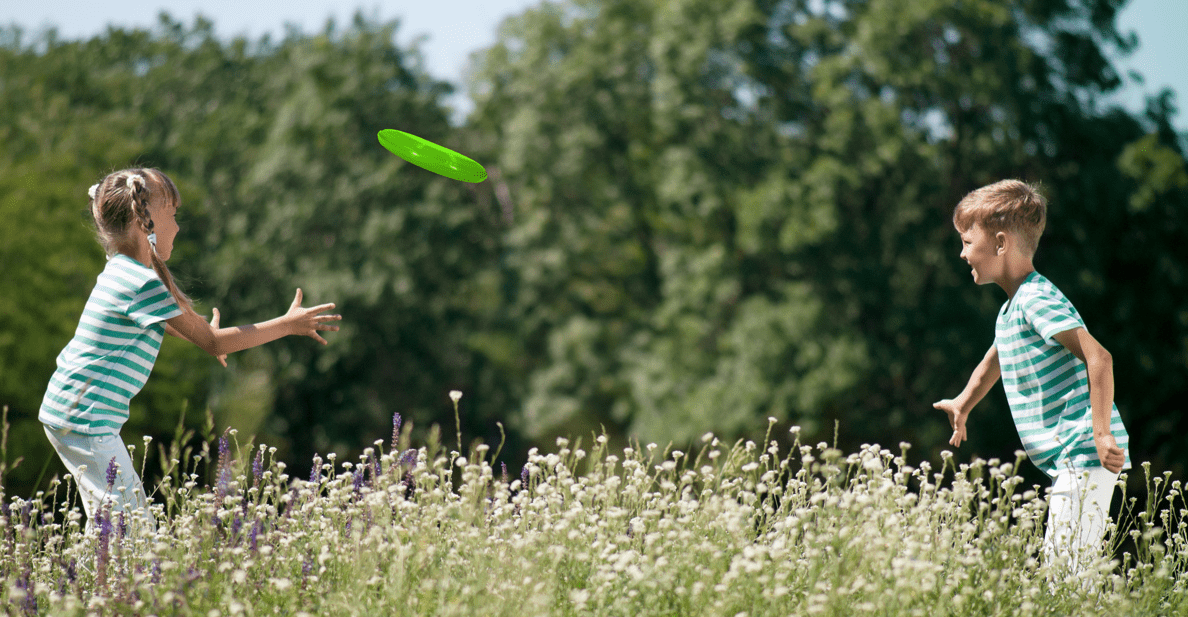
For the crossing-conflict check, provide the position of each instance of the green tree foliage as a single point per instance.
(728, 211)
(273, 146)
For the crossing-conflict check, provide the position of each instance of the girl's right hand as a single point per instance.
(308, 321)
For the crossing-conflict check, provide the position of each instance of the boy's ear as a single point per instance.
(1001, 240)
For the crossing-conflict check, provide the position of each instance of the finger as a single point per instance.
(223, 361)
(318, 338)
(321, 307)
(297, 299)
(214, 319)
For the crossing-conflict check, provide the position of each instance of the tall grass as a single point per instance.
(725, 529)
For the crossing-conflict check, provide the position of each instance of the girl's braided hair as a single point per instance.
(120, 204)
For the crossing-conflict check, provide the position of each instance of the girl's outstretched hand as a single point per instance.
(308, 321)
(214, 325)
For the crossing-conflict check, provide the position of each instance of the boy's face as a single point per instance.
(983, 252)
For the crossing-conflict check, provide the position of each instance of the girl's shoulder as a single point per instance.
(127, 273)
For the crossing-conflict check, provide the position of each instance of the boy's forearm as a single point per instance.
(1101, 393)
(983, 378)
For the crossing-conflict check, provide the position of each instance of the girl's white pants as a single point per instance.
(1078, 513)
(87, 458)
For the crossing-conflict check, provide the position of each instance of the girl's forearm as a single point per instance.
(238, 338)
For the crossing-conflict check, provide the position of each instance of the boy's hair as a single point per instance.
(1008, 205)
(120, 204)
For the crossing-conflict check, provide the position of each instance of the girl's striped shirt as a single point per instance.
(112, 352)
(1047, 386)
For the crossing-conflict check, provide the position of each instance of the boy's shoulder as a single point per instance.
(1037, 287)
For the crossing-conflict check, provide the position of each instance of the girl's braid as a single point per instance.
(138, 193)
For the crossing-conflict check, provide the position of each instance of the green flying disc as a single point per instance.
(432, 157)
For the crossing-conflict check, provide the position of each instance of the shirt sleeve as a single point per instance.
(1051, 315)
(152, 304)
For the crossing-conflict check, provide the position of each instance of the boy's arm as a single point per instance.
(983, 378)
(1100, 366)
(222, 341)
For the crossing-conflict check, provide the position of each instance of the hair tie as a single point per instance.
(91, 192)
(131, 181)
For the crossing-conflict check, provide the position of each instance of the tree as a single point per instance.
(730, 211)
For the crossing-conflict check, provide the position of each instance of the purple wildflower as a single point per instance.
(258, 467)
(103, 521)
(123, 525)
(254, 535)
(377, 468)
(112, 469)
(358, 481)
(504, 472)
(315, 472)
(25, 582)
(223, 483)
(524, 478)
(396, 420)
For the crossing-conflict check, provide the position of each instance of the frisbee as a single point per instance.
(431, 157)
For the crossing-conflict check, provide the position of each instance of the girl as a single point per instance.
(134, 302)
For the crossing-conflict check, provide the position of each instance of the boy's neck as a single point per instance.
(1015, 273)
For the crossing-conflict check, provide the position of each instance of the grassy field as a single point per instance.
(727, 529)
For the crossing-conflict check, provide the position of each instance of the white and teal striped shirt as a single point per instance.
(112, 352)
(1046, 385)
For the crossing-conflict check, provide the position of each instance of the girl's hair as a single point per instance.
(120, 205)
(1007, 205)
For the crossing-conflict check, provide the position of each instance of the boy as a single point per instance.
(1059, 380)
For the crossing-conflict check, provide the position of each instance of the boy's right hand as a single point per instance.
(957, 419)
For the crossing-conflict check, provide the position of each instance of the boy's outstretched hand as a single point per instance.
(956, 419)
(307, 321)
(1111, 456)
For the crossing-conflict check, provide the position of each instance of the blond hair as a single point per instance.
(1008, 205)
(120, 204)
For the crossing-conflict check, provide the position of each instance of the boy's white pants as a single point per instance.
(1078, 512)
(87, 458)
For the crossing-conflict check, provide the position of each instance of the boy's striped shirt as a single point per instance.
(113, 350)
(1046, 385)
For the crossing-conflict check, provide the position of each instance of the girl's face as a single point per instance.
(983, 252)
(164, 216)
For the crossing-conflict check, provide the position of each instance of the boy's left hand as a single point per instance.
(1111, 456)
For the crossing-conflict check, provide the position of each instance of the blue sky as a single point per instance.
(456, 28)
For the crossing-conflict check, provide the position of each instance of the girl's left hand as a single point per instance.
(214, 324)
(307, 321)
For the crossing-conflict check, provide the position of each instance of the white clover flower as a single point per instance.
(455, 395)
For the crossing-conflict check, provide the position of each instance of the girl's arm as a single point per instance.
(214, 323)
(1100, 366)
(984, 377)
(222, 341)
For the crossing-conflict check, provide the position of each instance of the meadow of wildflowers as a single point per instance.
(723, 529)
